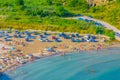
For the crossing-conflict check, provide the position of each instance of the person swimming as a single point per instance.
(23, 72)
(93, 71)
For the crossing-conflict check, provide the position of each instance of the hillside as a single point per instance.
(46, 15)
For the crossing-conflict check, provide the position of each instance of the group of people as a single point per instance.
(16, 57)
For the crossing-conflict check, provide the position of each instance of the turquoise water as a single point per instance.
(92, 65)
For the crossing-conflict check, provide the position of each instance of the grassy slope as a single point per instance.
(109, 13)
(39, 14)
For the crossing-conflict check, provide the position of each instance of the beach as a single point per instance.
(74, 66)
(19, 51)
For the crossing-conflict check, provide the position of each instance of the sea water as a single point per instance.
(86, 65)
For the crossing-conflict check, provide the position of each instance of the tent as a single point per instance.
(50, 49)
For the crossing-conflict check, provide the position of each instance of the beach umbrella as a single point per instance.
(83, 40)
(53, 37)
(1, 67)
(77, 35)
(92, 40)
(27, 38)
(59, 35)
(79, 15)
(88, 36)
(30, 55)
(19, 35)
(35, 33)
(73, 40)
(12, 48)
(50, 49)
(73, 35)
(57, 40)
(5, 39)
(45, 33)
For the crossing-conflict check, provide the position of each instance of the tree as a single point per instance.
(20, 2)
(60, 11)
(118, 1)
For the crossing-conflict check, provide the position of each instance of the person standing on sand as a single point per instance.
(98, 48)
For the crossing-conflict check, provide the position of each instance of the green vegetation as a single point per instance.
(109, 12)
(47, 15)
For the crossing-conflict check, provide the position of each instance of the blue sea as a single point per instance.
(86, 65)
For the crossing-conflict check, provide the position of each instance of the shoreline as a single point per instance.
(23, 51)
(15, 66)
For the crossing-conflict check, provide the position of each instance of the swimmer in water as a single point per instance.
(69, 58)
(23, 72)
(87, 70)
(92, 71)
(15, 72)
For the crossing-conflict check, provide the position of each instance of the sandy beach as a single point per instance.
(18, 51)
